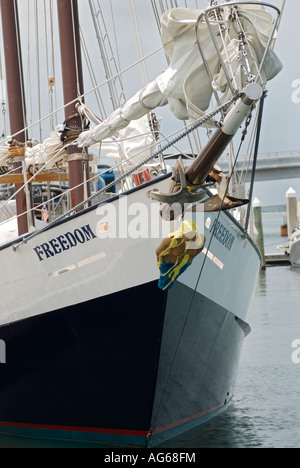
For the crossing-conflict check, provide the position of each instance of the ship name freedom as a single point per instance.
(85, 234)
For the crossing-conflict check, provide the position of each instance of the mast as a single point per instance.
(73, 87)
(15, 91)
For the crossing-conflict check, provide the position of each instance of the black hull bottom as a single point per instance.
(131, 369)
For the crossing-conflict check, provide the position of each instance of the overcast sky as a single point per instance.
(282, 118)
(281, 124)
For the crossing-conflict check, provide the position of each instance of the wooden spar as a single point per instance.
(14, 81)
(44, 177)
(199, 170)
(72, 86)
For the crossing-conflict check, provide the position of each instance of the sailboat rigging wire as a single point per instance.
(281, 14)
(47, 59)
(3, 96)
(78, 84)
(93, 78)
(166, 138)
(52, 38)
(117, 75)
(117, 166)
(195, 125)
(138, 40)
(27, 182)
(258, 132)
(38, 66)
(114, 77)
(116, 44)
(53, 69)
(162, 8)
(20, 66)
(104, 57)
(247, 156)
(156, 15)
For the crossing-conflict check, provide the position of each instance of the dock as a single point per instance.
(277, 259)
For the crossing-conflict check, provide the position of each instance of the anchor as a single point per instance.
(179, 194)
(222, 201)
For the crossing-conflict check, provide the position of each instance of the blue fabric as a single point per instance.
(166, 270)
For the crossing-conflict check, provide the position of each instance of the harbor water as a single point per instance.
(265, 411)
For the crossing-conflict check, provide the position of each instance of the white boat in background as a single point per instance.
(294, 249)
(124, 317)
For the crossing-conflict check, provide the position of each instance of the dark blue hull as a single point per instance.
(132, 369)
(200, 352)
(89, 369)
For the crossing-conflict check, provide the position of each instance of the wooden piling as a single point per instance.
(291, 206)
(257, 215)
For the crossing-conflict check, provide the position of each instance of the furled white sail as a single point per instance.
(129, 146)
(195, 69)
(48, 153)
(132, 145)
(4, 155)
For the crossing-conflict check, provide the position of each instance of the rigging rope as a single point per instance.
(98, 97)
(37, 38)
(117, 75)
(77, 52)
(3, 96)
(16, 17)
(195, 125)
(138, 40)
(104, 56)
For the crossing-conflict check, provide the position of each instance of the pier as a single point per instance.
(277, 259)
(285, 254)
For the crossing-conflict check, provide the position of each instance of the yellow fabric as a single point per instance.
(177, 240)
(186, 227)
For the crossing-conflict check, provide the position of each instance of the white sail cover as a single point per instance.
(187, 86)
(128, 147)
(132, 145)
(47, 153)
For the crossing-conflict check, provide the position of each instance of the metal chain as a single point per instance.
(247, 123)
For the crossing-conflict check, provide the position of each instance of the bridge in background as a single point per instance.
(270, 166)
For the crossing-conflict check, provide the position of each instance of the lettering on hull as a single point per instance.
(222, 234)
(65, 242)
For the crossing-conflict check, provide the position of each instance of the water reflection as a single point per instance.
(225, 431)
(262, 283)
